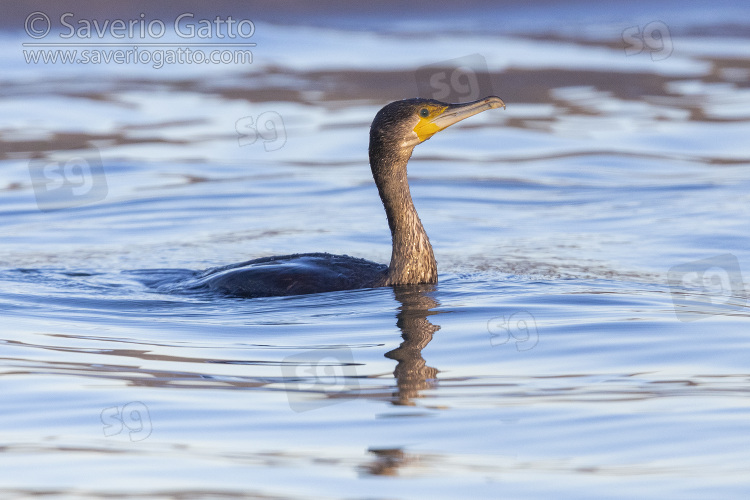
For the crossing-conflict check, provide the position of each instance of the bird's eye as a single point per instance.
(424, 113)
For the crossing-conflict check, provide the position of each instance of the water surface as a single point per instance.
(552, 360)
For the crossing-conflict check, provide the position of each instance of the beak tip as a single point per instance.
(495, 102)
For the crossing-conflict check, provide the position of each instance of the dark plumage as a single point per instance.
(297, 274)
(394, 132)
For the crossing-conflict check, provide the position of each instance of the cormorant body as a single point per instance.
(297, 274)
(396, 130)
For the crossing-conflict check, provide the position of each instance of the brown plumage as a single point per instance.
(395, 131)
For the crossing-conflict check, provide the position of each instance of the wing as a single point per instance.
(297, 274)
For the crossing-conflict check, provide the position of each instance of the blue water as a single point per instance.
(588, 337)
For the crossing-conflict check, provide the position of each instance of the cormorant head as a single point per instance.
(404, 124)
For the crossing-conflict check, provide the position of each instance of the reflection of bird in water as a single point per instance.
(387, 462)
(395, 131)
(412, 373)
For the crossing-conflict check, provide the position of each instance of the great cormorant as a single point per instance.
(396, 129)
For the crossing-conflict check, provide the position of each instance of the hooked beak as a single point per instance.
(454, 113)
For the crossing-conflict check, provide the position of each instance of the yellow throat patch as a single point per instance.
(425, 128)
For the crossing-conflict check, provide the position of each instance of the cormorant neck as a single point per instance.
(412, 259)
